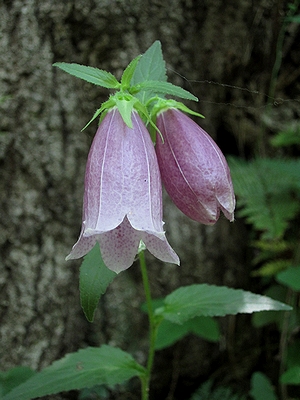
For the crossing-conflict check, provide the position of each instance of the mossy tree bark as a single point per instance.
(43, 154)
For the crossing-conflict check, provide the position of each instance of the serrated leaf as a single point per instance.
(165, 88)
(191, 301)
(85, 368)
(151, 67)
(290, 277)
(93, 281)
(90, 74)
(14, 377)
(128, 72)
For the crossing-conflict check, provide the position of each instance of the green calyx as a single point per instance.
(161, 105)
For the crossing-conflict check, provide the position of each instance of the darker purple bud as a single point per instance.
(193, 169)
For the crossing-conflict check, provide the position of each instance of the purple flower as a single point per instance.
(193, 168)
(122, 199)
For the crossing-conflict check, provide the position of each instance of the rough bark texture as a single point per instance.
(43, 154)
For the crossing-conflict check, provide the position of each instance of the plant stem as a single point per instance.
(152, 327)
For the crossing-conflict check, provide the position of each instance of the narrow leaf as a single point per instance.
(191, 301)
(128, 72)
(93, 281)
(85, 368)
(165, 88)
(90, 74)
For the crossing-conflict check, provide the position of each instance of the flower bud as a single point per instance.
(193, 169)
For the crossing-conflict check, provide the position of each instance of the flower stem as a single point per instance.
(152, 327)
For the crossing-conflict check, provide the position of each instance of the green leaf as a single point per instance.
(272, 267)
(263, 318)
(290, 277)
(168, 332)
(93, 281)
(151, 67)
(295, 18)
(128, 72)
(165, 88)
(85, 368)
(191, 301)
(291, 376)
(261, 387)
(14, 377)
(205, 327)
(267, 190)
(90, 74)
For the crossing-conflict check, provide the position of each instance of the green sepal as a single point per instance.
(163, 88)
(125, 108)
(128, 73)
(104, 107)
(90, 74)
(163, 104)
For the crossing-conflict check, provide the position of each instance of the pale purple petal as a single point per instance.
(123, 195)
(160, 248)
(82, 246)
(122, 177)
(119, 246)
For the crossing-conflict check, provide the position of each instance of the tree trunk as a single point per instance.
(212, 48)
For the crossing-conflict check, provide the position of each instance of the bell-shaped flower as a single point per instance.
(123, 195)
(193, 169)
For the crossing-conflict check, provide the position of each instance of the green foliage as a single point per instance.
(93, 281)
(288, 137)
(168, 332)
(14, 377)
(276, 292)
(207, 392)
(98, 392)
(268, 193)
(261, 387)
(90, 74)
(85, 368)
(192, 301)
(152, 67)
(290, 277)
(291, 376)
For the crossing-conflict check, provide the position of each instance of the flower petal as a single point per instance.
(82, 246)
(119, 246)
(160, 248)
(122, 177)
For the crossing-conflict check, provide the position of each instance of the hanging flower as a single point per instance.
(122, 199)
(193, 168)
